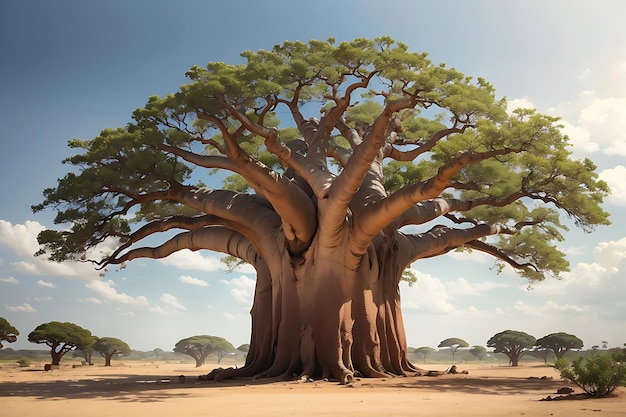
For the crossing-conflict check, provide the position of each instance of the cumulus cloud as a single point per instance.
(45, 284)
(107, 292)
(428, 295)
(21, 239)
(462, 287)
(168, 304)
(186, 279)
(242, 289)
(614, 177)
(24, 308)
(519, 103)
(598, 283)
(593, 119)
(170, 301)
(10, 280)
(187, 259)
(604, 118)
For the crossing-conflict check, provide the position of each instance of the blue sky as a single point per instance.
(72, 68)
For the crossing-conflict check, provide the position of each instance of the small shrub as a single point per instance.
(24, 362)
(597, 376)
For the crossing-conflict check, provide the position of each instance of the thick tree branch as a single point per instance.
(216, 238)
(349, 181)
(288, 199)
(382, 213)
(442, 239)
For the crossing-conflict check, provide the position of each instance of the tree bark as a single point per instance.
(315, 317)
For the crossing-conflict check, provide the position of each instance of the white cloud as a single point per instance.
(463, 287)
(105, 290)
(10, 280)
(21, 239)
(428, 295)
(187, 259)
(41, 299)
(243, 289)
(614, 177)
(24, 308)
(168, 304)
(593, 119)
(519, 103)
(45, 284)
(193, 281)
(93, 300)
(170, 301)
(604, 117)
(612, 253)
(599, 284)
(579, 137)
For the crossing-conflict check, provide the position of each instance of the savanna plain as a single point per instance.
(159, 388)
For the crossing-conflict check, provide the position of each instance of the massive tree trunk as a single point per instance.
(317, 317)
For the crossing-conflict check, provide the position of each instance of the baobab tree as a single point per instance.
(346, 164)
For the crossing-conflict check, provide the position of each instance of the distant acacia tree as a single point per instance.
(454, 343)
(559, 343)
(512, 343)
(540, 352)
(61, 337)
(479, 351)
(423, 352)
(8, 333)
(86, 349)
(199, 347)
(109, 347)
(158, 352)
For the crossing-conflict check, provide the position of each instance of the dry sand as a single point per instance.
(154, 389)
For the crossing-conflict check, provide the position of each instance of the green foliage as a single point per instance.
(24, 362)
(109, 347)
(61, 337)
(231, 263)
(454, 343)
(423, 352)
(479, 351)
(8, 333)
(55, 333)
(199, 347)
(559, 343)
(409, 277)
(597, 376)
(512, 343)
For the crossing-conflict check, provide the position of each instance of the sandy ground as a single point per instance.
(154, 389)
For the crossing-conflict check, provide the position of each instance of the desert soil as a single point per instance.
(154, 389)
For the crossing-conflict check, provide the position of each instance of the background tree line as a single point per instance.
(508, 346)
(63, 338)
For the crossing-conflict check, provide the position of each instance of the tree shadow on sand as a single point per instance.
(151, 388)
